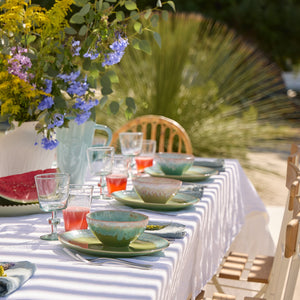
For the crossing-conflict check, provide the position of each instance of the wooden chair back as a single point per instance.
(169, 135)
(282, 282)
(279, 273)
(283, 274)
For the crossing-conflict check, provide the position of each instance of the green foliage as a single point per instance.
(273, 25)
(224, 92)
(55, 55)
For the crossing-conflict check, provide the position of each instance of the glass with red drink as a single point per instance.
(117, 180)
(79, 205)
(146, 156)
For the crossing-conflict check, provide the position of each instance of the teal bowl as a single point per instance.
(174, 163)
(116, 228)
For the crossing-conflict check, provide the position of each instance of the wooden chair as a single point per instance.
(277, 275)
(286, 275)
(169, 135)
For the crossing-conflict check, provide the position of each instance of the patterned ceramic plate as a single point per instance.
(84, 241)
(194, 173)
(179, 201)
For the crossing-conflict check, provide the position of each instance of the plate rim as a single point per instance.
(108, 253)
(185, 176)
(156, 206)
(20, 210)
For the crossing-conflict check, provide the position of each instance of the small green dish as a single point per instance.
(116, 228)
(85, 241)
(174, 163)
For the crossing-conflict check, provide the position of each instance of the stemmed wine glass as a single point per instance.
(131, 145)
(100, 160)
(53, 191)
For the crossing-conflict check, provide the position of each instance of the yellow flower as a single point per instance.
(2, 273)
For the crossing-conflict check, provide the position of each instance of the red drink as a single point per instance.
(116, 182)
(75, 217)
(143, 162)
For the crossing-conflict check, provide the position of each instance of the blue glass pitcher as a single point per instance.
(72, 147)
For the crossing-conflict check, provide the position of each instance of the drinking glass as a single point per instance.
(53, 191)
(131, 145)
(146, 156)
(79, 205)
(117, 180)
(100, 161)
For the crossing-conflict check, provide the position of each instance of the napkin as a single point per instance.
(215, 163)
(169, 230)
(16, 275)
(195, 190)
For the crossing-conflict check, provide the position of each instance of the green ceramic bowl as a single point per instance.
(116, 228)
(174, 163)
(156, 190)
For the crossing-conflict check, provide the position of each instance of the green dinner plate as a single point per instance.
(179, 201)
(194, 173)
(84, 241)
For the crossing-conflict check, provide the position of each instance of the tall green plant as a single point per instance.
(219, 88)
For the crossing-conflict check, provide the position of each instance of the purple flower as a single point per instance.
(58, 120)
(19, 64)
(92, 54)
(78, 88)
(49, 144)
(119, 45)
(85, 106)
(47, 102)
(76, 48)
(112, 58)
(83, 117)
(118, 48)
(48, 88)
(71, 77)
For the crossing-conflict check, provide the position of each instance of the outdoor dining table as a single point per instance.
(179, 272)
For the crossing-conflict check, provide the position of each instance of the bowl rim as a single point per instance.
(145, 217)
(155, 180)
(174, 155)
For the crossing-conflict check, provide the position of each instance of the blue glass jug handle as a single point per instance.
(107, 130)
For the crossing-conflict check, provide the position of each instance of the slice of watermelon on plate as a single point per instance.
(20, 188)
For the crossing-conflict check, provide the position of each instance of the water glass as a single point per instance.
(131, 146)
(53, 191)
(117, 180)
(79, 205)
(146, 156)
(100, 161)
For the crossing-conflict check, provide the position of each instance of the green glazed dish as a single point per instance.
(85, 241)
(116, 228)
(174, 163)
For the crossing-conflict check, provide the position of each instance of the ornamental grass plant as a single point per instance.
(223, 91)
(53, 60)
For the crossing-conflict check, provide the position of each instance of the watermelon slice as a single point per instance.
(20, 188)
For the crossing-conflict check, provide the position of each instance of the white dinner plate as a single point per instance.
(19, 210)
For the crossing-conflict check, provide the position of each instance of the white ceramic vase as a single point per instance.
(19, 152)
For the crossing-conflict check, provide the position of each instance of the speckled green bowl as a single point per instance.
(174, 163)
(156, 190)
(116, 228)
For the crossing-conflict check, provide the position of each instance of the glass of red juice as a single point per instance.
(117, 180)
(79, 205)
(146, 156)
